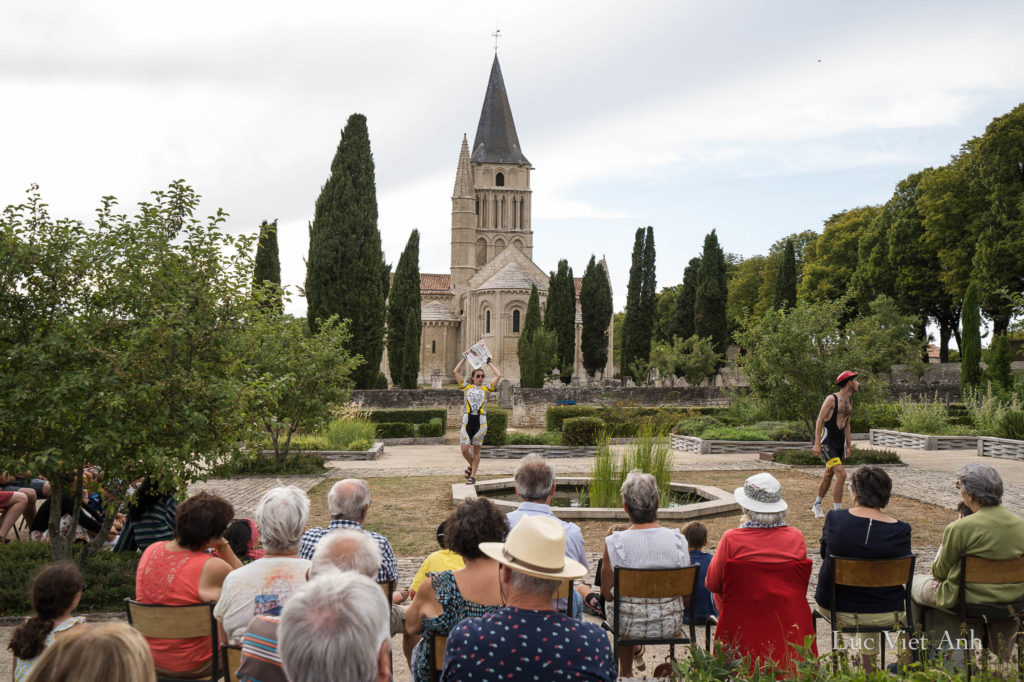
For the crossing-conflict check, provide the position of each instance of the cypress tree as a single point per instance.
(404, 325)
(684, 326)
(970, 354)
(709, 308)
(631, 326)
(560, 317)
(345, 271)
(1000, 355)
(596, 309)
(267, 268)
(648, 298)
(785, 283)
(536, 346)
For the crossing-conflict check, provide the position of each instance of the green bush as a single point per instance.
(922, 417)
(874, 416)
(361, 444)
(542, 438)
(432, 429)
(696, 425)
(582, 430)
(787, 430)
(340, 434)
(857, 456)
(108, 578)
(554, 416)
(1012, 425)
(396, 430)
(412, 416)
(623, 414)
(301, 441)
(497, 425)
(255, 464)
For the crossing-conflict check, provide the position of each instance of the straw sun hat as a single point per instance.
(536, 547)
(761, 493)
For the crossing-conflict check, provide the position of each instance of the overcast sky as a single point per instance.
(755, 118)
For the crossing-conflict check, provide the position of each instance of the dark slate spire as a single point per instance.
(496, 140)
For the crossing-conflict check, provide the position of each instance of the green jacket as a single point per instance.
(990, 533)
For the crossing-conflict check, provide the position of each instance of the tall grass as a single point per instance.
(649, 453)
(986, 409)
(341, 433)
(922, 417)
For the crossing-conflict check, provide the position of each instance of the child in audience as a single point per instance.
(442, 560)
(113, 652)
(701, 606)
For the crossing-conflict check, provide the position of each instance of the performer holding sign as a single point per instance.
(474, 416)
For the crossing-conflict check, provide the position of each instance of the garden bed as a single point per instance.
(548, 451)
(413, 441)
(717, 447)
(920, 441)
(374, 452)
(1000, 447)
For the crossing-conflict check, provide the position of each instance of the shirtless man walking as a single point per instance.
(832, 439)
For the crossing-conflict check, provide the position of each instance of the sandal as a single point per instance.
(638, 658)
(594, 603)
(468, 472)
(470, 480)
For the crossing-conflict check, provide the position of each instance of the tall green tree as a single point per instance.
(639, 321)
(803, 243)
(665, 313)
(536, 347)
(560, 317)
(345, 271)
(404, 325)
(830, 262)
(785, 285)
(712, 295)
(596, 310)
(1000, 355)
(743, 289)
(648, 292)
(684, 327)
(970, 350)
(267, 269)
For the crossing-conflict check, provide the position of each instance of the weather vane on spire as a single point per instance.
(496, 35)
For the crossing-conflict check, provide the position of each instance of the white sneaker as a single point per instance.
(819, 513)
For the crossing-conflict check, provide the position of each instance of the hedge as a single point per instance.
(396, 430)
(582, 430)
(432, 429)
(412, 416)
(808, 458)
(108, 578)
(619, 414)
(497, 425)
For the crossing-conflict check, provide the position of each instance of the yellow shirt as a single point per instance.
(441, 560)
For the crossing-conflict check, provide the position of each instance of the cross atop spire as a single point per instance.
(496, 35)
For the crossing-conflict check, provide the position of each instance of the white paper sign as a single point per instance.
(477, 355)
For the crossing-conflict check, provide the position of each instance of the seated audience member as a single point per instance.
(264, 585)
(39, 485)
(112, 652)
(56, 592)
(182, 572)
(348, 503)
(864, 531)
(447, 597)
(338, 551)
(12, 505)
(244, 537)
(645, 544)
(89, 522)
(442, 560)
(527, 635)
(535, 486)
(701, 606)
(150, 517)
(989, 532)
(336, 628)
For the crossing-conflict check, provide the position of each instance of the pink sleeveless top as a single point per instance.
(172, 579)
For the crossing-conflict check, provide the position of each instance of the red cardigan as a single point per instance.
(765, 545)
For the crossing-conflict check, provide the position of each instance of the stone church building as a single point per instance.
(492, 269)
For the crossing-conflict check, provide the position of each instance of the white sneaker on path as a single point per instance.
(819, 513)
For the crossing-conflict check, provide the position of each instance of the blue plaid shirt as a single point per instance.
(388, 566)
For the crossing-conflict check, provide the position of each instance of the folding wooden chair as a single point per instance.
(437, 645)
(231, 655)
(974, 569)
(565, 592)
(177, 622)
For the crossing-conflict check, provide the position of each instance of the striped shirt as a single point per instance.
(261, 661)
(388, 566)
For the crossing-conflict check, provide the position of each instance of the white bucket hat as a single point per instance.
(536, 546)
(761, 493)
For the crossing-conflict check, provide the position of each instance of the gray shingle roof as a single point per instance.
(496, 140)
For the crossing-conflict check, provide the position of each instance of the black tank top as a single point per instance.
(833, 436)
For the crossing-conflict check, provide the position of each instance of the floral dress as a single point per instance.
(22, 668)
(453, 609)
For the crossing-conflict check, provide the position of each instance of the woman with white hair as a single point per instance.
(263, 586)
(645, 544)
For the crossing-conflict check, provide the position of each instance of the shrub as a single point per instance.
(361, 444)
(923, 417)
(874, 416)
(696, 425)
(857, 456)
(412, 416)
(301, 441)
(987, 409)
(542, 438)
(782, 430)
(582, 430)
(497, 425)
(432, 429)
(1012, 425)
(340, 434)
(110, 577)
(396, 430)
(256, 464)
(554, 416)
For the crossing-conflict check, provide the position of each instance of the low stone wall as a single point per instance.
(373, 453)
(548, 451)
(438, 440)
(920, 441)
(719, 447)
(1000, 447)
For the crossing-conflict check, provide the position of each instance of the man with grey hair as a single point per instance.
(535, 486)
(527, 635)
(339, 551)
(990, 532)
(263, 586)
(336, 628)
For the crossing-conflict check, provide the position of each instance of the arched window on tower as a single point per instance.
(487, 322)
(515, 321)
(499, 180)
(481, 251)
(433, 346)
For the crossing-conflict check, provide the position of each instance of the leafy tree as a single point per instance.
(267, 269)
(596, 310)
(873, 275)
(785, 285)
(302, 377)
(970, 350)
(404, 325)
(122, 346)
(743, 290)
(536, 349)
(885, 336)
(345, 272)
(560, 318)
(803, 243)
(632, 325)
(684, 327)
(665, 313)
(712, 295)
(694, 358)
(617, 321)
(1000, 355)
(829, 265)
